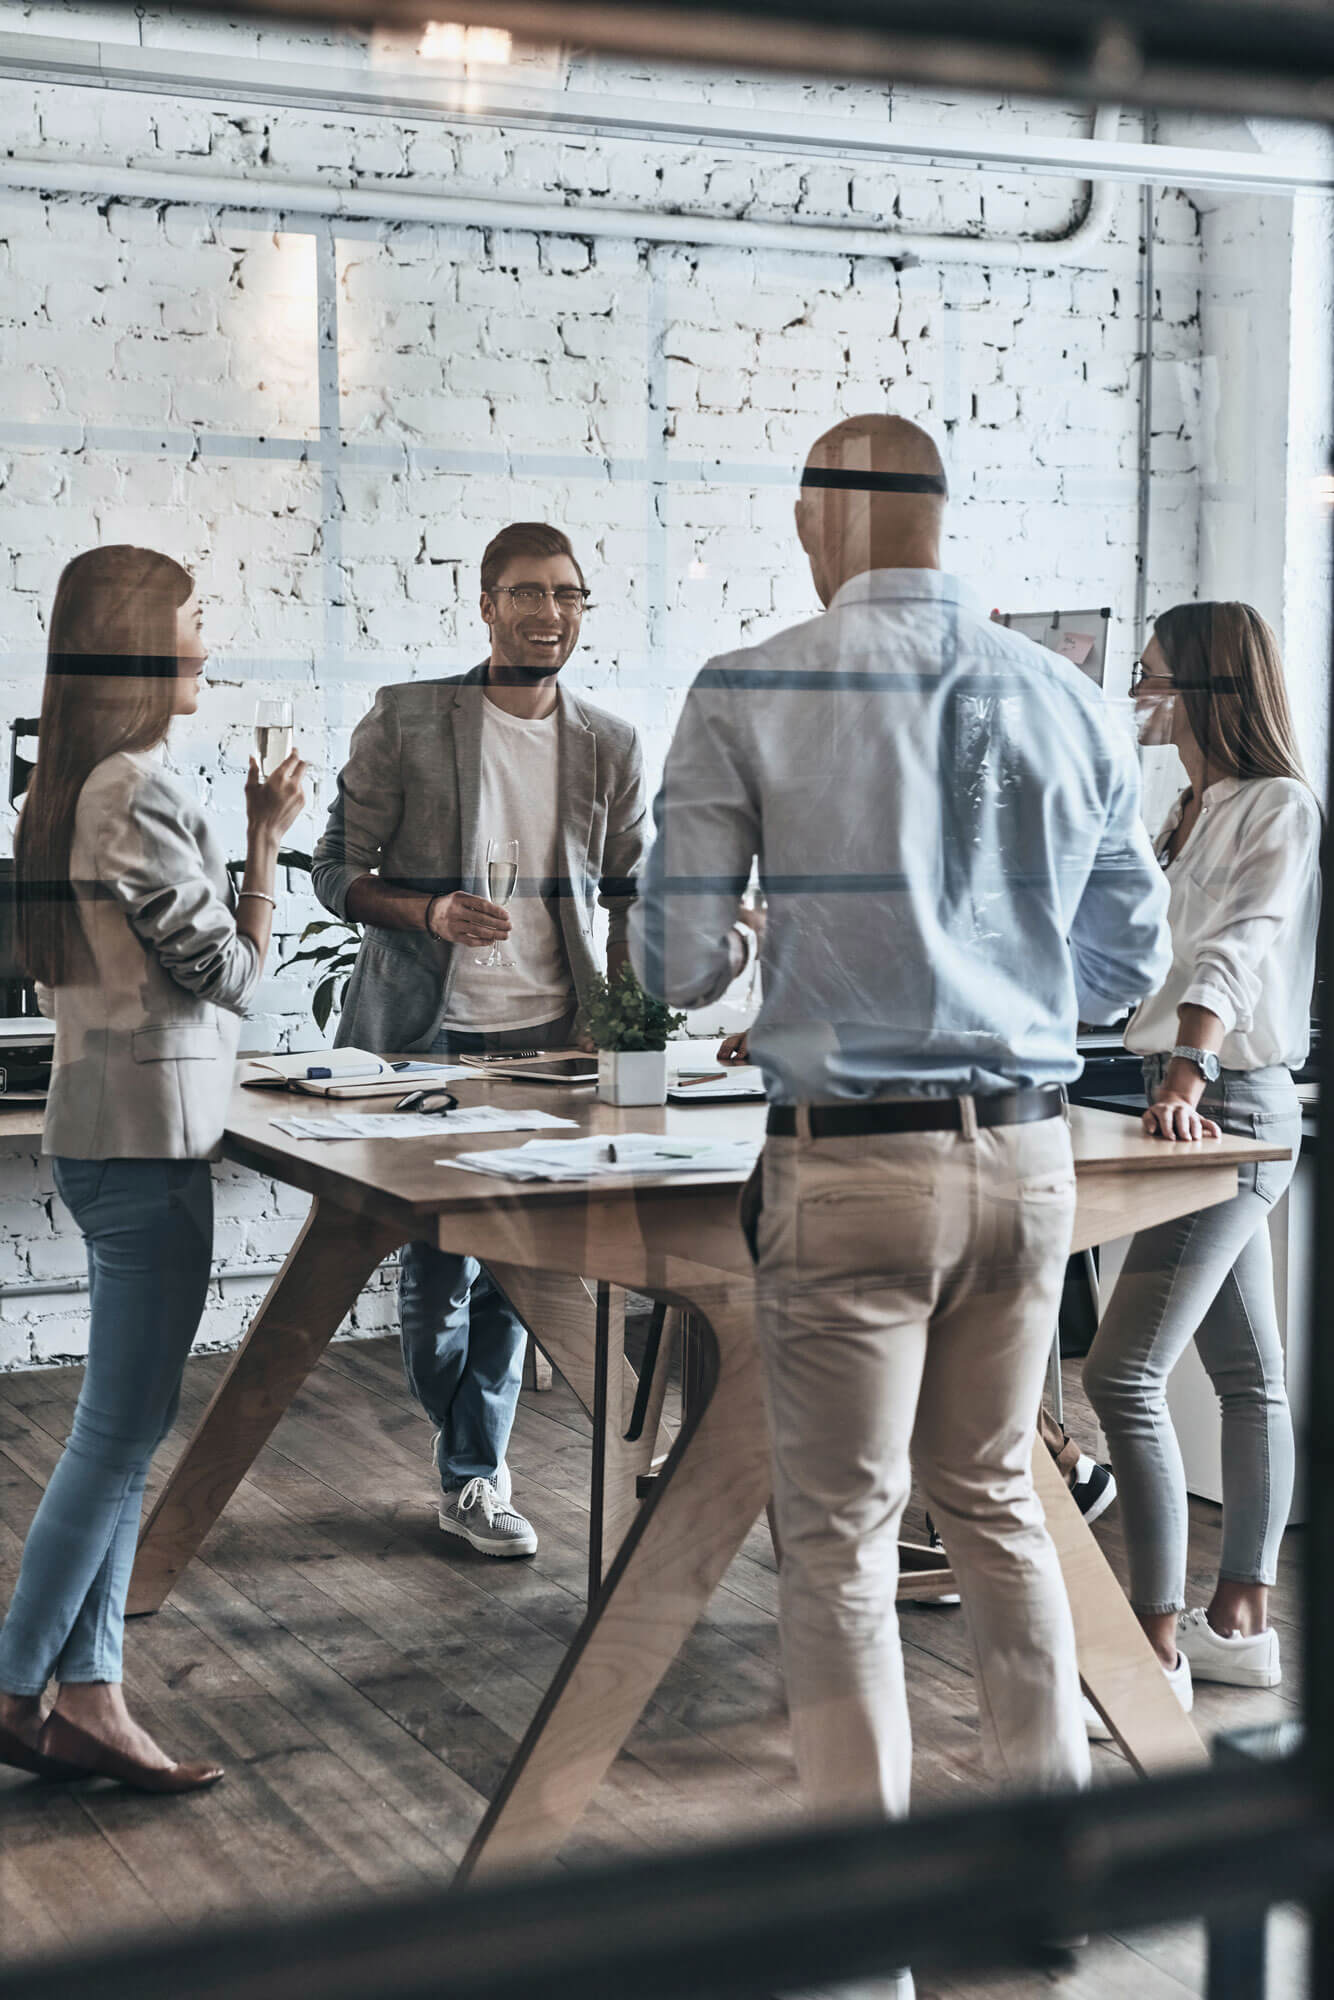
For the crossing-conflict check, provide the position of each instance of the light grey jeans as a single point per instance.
(1207, 1277)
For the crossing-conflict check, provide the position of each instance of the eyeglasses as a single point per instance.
(431, 1103)
(532, 596)
(1140, 673)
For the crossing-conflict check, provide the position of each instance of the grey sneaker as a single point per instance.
(502, 1482)
(477, 1513)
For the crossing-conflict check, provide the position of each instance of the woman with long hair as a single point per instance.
(1220, 1041)
(127, 917)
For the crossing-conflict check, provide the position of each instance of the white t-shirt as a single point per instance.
(1243, 916)
(518, 800)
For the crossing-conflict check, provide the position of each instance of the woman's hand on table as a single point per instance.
(1172, 1116)
(736, 1049)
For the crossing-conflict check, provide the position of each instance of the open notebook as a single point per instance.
(348, 1073)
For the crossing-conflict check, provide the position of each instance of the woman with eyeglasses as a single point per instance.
(1220, 1042)
(126, 914)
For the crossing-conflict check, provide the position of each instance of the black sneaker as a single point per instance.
(1093, 1486)
(933, 1541)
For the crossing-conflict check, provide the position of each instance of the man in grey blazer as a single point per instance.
(437, 770)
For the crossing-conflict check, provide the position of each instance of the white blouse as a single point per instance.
(1245, 904)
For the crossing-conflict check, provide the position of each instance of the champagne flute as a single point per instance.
(754, 899)
(502, 874)
(273, 734)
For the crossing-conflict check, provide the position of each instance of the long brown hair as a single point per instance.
(1225, 662)
(111, 669)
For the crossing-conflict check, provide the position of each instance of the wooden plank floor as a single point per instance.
(365, 1680)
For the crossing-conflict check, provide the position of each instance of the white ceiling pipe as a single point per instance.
(277, 197)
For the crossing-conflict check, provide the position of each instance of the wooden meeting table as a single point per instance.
(679, 1242)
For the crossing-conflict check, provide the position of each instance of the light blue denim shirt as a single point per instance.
(946, 821)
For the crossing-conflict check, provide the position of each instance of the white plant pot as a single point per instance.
(632, 1076)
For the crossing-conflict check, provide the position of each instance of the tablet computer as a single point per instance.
(553, 1070)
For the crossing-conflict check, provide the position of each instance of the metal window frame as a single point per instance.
(982, 1887)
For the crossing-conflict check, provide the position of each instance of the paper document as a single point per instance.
(714, 1085)
(622, 1158)
(418, 1124)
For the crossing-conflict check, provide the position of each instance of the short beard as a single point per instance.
(524, 675)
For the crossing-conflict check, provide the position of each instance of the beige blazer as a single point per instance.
(146, 1036)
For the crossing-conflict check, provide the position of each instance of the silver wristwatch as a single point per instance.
(1205, 1061)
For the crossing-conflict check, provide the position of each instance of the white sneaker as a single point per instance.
(502, 1482)
(478, 1514)
(1236, 1661)
(1180, 1682)
(1178, 1679)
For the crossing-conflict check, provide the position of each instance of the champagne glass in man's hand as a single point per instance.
(502, 875)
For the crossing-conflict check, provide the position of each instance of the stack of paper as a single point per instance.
(418, 1124)
(622, 1158)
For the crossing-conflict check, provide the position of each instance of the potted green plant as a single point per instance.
(629, 1031)
(335, 956)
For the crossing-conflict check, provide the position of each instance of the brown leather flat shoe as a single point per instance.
(78, 1754)
(25, 1756)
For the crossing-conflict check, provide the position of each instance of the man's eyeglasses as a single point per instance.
(532, 596)
(432, 1103)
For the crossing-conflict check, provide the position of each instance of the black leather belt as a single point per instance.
(916, 1114)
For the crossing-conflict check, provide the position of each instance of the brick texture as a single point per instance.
(160, 382)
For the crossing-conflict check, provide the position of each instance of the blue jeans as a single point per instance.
(148, 1225)
(463, 1342)
(1207, 1277)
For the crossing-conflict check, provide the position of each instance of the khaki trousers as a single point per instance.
(908, 1288)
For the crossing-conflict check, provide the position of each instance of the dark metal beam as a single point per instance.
(959, 1890)
(1272, 56)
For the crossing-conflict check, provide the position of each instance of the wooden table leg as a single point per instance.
(701, 1508)
(1117, 1665)
(326, 1269)
(560, 1312)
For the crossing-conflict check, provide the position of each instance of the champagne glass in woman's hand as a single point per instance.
(273, 733)
(272, 804)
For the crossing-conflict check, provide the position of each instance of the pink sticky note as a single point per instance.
(1074, 646)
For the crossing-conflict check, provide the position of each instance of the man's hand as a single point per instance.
(736, 1049)
(1172, 1116)
(464, 919)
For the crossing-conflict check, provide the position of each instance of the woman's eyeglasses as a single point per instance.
(431, 1103)
(1139, 674)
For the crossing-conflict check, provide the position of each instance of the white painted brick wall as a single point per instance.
(468, 358)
